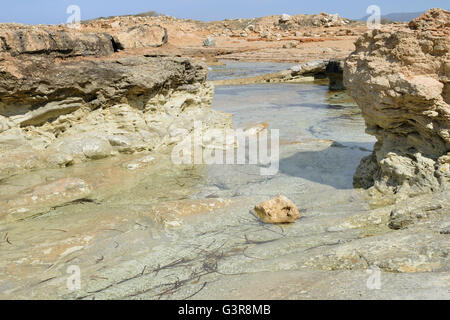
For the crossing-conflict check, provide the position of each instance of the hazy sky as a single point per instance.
(54, 11)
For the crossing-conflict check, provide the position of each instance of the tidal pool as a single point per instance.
(169, 232)
(229, 69)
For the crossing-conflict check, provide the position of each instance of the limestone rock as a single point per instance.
(58, 112)
(285, 18)
(401, 218)
(401, 80)
(277, 210)
(432, 19)
(142, 36)
(19, 39)
(310, 68)
(49, 111)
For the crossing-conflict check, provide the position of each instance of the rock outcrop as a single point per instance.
(16, 40)
(401, 80)
(60, 106)
(142, 36)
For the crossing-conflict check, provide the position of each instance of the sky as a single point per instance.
(55, 11)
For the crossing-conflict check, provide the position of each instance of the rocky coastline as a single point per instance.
(65, 98)
(88, 118)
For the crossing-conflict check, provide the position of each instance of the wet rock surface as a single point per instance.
(152, 230)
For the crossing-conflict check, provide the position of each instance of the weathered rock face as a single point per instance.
(32, 84)
(52, 41)
(56, 112)
(142, 36)
(400, 79)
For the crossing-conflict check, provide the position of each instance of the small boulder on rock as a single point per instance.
(285, 18)
(142, 36)
(277, 210)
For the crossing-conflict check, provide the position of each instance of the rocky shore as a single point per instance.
(65, 98)
(88, 118)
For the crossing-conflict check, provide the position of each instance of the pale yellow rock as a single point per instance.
(142, 36)
(400, 79)
(277, 210)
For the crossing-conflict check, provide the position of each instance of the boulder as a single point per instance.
(285, 18)
(142, 36)
(277, 210)
(209, 42)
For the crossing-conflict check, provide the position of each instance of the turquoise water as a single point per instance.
(233, 69)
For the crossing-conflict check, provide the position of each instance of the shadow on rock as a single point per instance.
(334, 166)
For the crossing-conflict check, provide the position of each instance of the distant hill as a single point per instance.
(398, 17)
(143, 14)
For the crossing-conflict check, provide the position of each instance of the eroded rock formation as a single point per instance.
(142, 36)
(400, 79)
(16, 40)
(65, 98)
